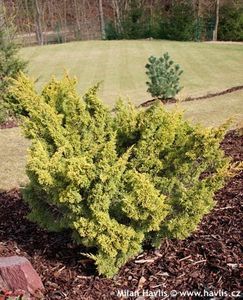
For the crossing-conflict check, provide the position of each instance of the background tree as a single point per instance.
(215, 33)
(1, 14)
(39, 32)
(102, 22)
(50, 21)
(231, 23)
(10, 63)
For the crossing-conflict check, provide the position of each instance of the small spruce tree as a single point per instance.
(164, 77)
(115, 181)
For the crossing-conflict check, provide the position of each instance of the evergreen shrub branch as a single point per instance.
(115, 180)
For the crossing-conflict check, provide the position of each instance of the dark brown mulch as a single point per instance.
(9, 124)
(152, 101)
(207, 96)
(210, 260)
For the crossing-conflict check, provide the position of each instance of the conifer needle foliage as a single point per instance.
(164, 77)
(10, 66)
(115, 180)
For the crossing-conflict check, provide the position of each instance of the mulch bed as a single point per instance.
(209, 260)
(9, 124)
(152, 101)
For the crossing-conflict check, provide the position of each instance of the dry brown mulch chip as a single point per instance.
(210, 260)
(9, 124)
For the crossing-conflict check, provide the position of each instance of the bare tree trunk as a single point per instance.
(39, 33)
(2, 21)
(117, 15)
(77, 16)
(28, 16)
(102, 22)
(198, 8)
(64, 27)
(215, 32)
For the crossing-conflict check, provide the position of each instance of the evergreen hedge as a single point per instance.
(180, 24)
(115, 180)
(231, 23)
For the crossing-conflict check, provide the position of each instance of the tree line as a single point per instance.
(53, 21)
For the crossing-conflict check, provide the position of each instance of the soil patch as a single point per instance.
(209, 260)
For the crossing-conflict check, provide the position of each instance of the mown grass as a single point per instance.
(13, 158)
(120, 64)
(215, 111)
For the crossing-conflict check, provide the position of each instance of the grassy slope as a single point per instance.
(207, 68)
(215, 111)
(12, 157)
(120, 64)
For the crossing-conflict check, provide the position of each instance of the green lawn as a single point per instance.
(215, 111)
(120, 64)
(13, 158)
